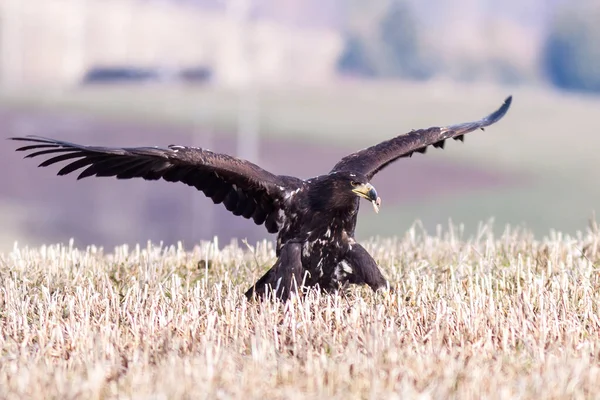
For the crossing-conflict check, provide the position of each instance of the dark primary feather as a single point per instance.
(243, 187)
(371, 160)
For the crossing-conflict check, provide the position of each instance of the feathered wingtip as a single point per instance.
(38, 142)
(31, 138)
(499, 113)
(459, 130)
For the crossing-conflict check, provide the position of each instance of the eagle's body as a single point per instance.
(314, 219)
(323, 234)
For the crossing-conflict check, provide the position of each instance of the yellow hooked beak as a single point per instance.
(368, 192)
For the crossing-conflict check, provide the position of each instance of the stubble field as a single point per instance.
(505, 317)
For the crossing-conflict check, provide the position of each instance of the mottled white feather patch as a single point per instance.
(346, 267)
(342, 270)
(306, 248)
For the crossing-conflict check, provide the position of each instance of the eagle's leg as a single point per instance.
(284, 277)
(364, 268)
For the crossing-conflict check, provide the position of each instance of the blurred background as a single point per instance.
(294, 85)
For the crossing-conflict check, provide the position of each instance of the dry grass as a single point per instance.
(508, 317)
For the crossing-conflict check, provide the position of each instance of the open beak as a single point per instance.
(368, 192)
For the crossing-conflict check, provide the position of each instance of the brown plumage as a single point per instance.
(314, 218)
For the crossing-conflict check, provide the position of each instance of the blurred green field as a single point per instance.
(549, 138)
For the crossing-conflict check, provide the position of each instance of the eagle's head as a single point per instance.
(341, 190)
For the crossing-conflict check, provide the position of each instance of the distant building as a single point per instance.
(56, 42)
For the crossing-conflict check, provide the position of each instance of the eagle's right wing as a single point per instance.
(243, 187)
(371, 160)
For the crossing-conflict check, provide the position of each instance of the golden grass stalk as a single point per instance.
(507, 317)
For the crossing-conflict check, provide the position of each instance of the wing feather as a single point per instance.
(243, 187)
(373, 159)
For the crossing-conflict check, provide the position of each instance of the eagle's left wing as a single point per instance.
(371, 160)
(243, 187)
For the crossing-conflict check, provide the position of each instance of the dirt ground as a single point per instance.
(110, 212)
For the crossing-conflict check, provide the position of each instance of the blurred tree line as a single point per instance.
(571, 55)
(384, 38)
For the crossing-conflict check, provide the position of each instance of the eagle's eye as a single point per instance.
(354, 183)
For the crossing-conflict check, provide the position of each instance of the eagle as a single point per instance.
(314, 219)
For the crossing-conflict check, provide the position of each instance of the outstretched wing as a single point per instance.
(243, 187)
(373, 159)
